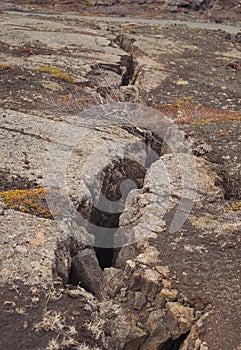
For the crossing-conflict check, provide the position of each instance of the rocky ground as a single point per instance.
(205, 10)
(166, 288)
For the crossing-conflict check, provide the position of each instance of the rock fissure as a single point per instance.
(150, 294)
(128, 77)
(118, 178)
(115, 175)
(105, 273)
(174, 344)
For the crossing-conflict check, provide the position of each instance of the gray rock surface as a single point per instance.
(86, 271)
(177, 283)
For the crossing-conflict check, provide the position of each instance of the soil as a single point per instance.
(201, 91)
(22, 309)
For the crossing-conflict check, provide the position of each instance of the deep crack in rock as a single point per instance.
(174, 344)
(129, 64)
(114, 176)
(118, 178)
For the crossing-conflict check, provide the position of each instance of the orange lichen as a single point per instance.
(6, 66)
(38, 240)
(57, 73)
(130, 26)
(72, 102)
(31, 201)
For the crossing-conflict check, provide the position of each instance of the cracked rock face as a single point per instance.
(138, 261)
(161, 298)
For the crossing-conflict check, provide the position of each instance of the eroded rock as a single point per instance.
(112, 282)
(162, 284)
(85, 269)
(183, 315)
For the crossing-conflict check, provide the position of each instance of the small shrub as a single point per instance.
(51, 321)
(28, 51)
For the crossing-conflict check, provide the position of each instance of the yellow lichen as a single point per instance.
(228, 117)
(181, 102)
(31, 201)
(90, 3)
(235, 206)
(204, 221)
(203, 121)
(57, 73)
(6, 66)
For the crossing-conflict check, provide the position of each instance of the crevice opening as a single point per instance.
(114, 175)
(174, 344)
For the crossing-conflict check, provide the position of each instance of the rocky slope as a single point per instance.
(119, 230)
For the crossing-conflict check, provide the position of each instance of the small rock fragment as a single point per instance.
(139, 300)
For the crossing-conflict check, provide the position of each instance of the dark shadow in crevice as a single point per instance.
(113, 176)
(174, 344)
(129, 63)
(74, 280)
(118, 178)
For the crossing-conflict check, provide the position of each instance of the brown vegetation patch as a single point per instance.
(183, 111)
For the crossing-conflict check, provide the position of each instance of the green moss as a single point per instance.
(57, 73)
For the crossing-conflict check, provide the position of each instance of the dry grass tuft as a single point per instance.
(53, 344)
(84, 346)
(95, 327)
(51, 321)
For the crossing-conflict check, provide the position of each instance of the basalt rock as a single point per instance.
(137, 245)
